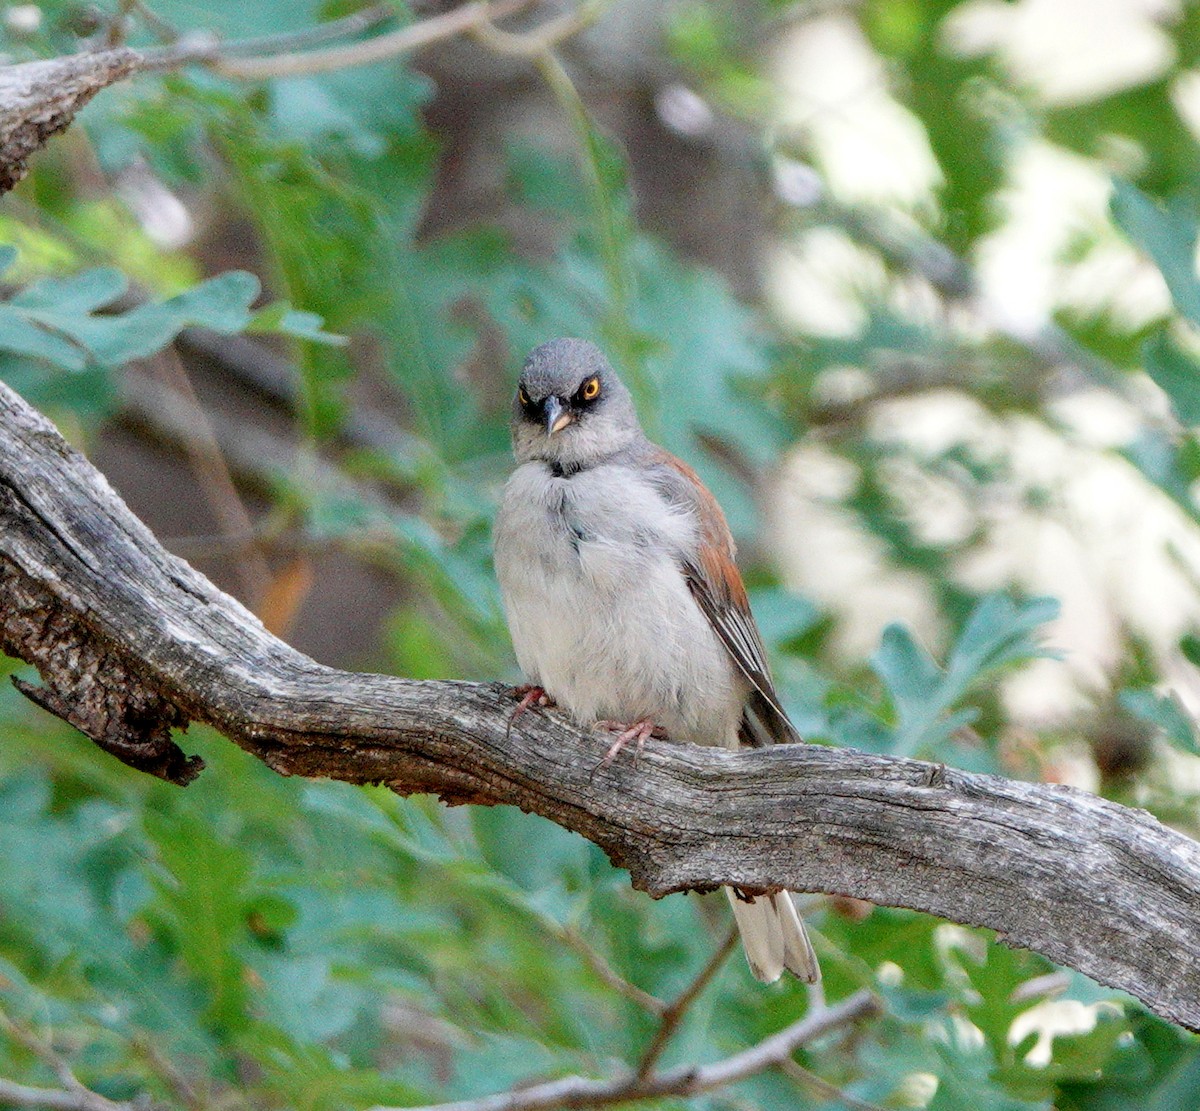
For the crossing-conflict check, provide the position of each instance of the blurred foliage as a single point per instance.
(262, 942)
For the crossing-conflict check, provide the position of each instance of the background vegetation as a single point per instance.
(911, 282)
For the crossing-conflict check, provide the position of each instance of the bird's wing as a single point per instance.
(715, 583)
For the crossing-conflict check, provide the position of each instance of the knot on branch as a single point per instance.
(40, 99)
(89, 686)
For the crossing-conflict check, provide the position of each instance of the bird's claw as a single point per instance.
(640, 731)
(528, 696)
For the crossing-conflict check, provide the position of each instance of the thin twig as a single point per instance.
(61, 86)
(166, 1070)
(13, 1094)
(158, 26)
(649, 1003)
(115, 35)
(401, 41)
(365, 19)
(205, 47)
(535, 43)
(675, 1011)
(686, 1080)
(74, 1095)
(207, 460)
(269, 538)
(770, 1051)
(824, 1088)
(45, 1052)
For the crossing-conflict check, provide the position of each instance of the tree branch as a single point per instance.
(72, 1096)
(673, 1013)
(40, 99)
(365, 19)
(830, 1093)
(574, 939)
(131, 642)
(686, 1080)
(13, 1094)
(227, 60)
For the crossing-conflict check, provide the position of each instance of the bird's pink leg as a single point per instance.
(640, 731)
(529, 695)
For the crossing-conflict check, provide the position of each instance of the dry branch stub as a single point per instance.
(40, 99)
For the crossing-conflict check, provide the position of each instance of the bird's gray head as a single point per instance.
(571, 410)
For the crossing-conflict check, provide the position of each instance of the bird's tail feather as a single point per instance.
(774, 937)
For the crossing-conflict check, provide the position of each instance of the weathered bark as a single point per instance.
(40, 99)
(131, 641)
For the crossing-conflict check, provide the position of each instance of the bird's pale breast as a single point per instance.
(599, 610)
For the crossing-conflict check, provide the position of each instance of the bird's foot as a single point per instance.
(528, 695)
(640, 731)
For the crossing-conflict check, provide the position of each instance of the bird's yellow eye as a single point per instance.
(522, 396)
(591, 389)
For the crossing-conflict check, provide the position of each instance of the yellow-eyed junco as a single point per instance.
(625, 606)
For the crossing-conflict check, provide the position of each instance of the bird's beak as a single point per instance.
(557, 416)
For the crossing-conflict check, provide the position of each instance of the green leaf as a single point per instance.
(62, 872)
(1167, 233)
(21, 336)
(81, 293)
(997, 1002)
(1170, 462)
(281, 318)
(912, 678)
(782, 616)
(1176, 373)
(307, 1076)
(221, 303)
(1074, 1057)
(326, 232)
(304, 997)
(966, 1079)
(1189, 645)
(58, 321)
(1145, 118)
(1165, 713)
(201, 903)
(953, 95)
(998, 634)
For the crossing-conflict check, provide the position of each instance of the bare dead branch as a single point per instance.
(686, 1080)
(208, 463)
(651, 1004)
(831, 1093)
(40, 99)
(131, 641)
(675, 1011)
(532, 44)
(13, 1094)
(72, 1096)
(365, 19)
(290, 55)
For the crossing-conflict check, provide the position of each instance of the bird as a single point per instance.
(624, 603)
